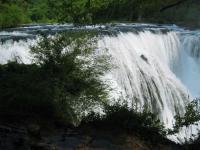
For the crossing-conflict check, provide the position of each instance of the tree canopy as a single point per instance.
(14, 12)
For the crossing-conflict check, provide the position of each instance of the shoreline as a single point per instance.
(81, 138)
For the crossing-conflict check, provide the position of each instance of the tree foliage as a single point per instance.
(97, 11)
(122, 119)
(11, 15)
(190, 117)
(63, 82)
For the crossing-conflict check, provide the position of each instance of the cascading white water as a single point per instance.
(10, 50)
(189, 68)
(152, 68)
(145, 64)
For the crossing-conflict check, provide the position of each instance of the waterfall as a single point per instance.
(144, 71)
(158, 69)
(11, 50)
(189, 68)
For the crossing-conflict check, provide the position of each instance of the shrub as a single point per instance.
(191, 116)
(122, 118)
(63, 82)
(24, 92)
(72, 66)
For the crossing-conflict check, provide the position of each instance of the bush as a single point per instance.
(191, 116)
(122, 118)
(63, 82)
(23, 92)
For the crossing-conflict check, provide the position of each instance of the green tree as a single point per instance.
(11, 15)
(191, 116)
(74, 70)
(63, 82)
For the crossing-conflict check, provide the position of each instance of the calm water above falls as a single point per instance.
(158, 65)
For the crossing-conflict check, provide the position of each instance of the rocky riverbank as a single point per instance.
(83, 138)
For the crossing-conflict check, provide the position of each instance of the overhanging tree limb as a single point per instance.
(172, 5)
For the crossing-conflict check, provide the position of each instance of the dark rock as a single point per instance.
(144, 58)
(34, 131)
(43, 146)
(101, 143)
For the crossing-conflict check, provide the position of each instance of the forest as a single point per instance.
(16, 12)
